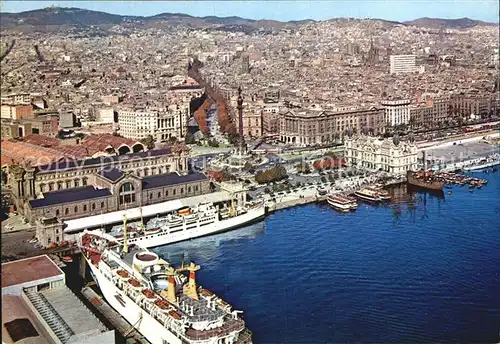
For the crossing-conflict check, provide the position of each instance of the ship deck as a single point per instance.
(201, 310)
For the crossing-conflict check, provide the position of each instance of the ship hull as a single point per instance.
(339, 206)
(422, 184)
(149, 327)
(366, 197)
(147, 241)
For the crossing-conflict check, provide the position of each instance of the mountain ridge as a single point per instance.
(72, 16)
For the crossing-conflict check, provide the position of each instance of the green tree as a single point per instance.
(149, 142)
(213, 143)
(189, 138)
(323, 179)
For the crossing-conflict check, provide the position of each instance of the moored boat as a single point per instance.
(157, 299)
(201, 220)
(367, 194)
(342, 203)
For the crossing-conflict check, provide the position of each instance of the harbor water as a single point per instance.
(425, 268)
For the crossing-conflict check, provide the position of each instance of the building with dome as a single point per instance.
(389, 155)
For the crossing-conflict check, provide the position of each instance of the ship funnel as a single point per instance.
(171, 286)
(190, 287)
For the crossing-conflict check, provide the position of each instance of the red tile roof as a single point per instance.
(27, 270)
(41, 150)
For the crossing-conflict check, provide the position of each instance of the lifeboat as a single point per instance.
(191, 218)
(122, 273)
(184, 211)
(148, 293)
(134, 283)
(162, 304)
(152, 230)
(206, 292)
(67, 259)
(175, 315)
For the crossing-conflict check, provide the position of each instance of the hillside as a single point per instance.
(436, 23)
(56, 17)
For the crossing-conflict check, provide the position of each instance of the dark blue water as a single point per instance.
(428, 272)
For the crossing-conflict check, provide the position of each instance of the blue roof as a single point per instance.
(104, 161)
(170, 179)
(112, 174)
(69, 196)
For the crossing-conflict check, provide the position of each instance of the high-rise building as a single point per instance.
(397, 112)
(245, 64)
(403, 64)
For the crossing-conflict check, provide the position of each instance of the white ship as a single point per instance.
(158, 300)
(188, 223)
(342, 203)
(368, 194)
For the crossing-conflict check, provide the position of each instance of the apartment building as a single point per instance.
(397, 112)
(472, 106)
(16, 99)
(16, 111)
(304, 127)
(161, 123)
(403, 64)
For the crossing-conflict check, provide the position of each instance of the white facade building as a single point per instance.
(16, 99)
(105, 115)
(161, 124)
(403, 64)
(397, 112)
(385, 155)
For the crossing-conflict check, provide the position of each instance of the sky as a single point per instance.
(397, 10)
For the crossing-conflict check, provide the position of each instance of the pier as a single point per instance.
(118, 322)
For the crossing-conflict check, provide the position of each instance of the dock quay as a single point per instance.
(118, 322)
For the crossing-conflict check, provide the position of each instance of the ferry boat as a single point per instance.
(342, 203)
(383, 194)
(188, 223)
(156, 298)
(367, 194)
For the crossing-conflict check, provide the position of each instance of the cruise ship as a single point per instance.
(342, 203)
(188, 223)
(156, 298)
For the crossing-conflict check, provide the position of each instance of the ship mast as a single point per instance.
(125, 245)
(142, 218)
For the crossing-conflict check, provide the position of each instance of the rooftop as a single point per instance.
(68, 196)
(18, 323)
(70, 163)
(78, 318)
(171, 179)
(29, 269)
(112, 174)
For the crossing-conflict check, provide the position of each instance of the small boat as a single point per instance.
(382, 194)
(341, 203)
(67, 259)
(368, 195)
(449, 192)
